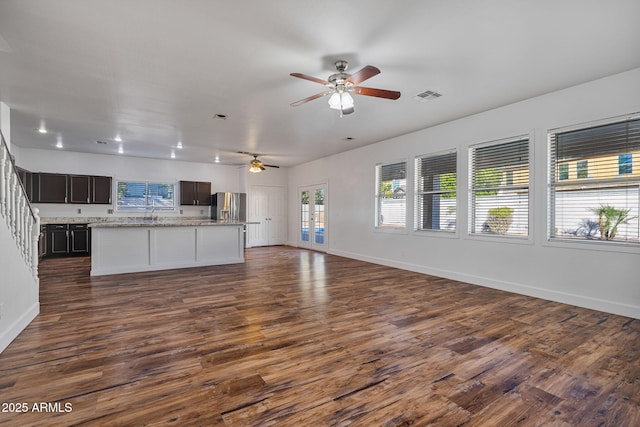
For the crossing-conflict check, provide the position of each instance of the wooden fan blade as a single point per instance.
(271, 166)
(364, 74)
(310, 78)
(379, 93)
(310, 98)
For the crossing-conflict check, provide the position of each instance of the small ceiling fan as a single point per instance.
(256, 165)
(340, 85)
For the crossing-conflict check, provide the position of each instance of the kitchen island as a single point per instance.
(145, 245)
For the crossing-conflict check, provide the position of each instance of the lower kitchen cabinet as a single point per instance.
(79, 239)
(67, 239)
(42, 242)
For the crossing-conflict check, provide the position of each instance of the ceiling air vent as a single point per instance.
(427, 95)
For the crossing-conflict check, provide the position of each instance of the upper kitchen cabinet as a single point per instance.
(195, 193)
(59, 188)
(26, 178)
(50, 188)
(79, 188)
(101, 190)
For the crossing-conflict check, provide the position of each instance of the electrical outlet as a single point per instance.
(79, 210)
(109, 211)
(201, 211)
(181, 211)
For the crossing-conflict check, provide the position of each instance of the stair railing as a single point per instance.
(16, 210)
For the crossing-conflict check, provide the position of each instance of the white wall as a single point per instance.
(5, 123)
(269, 177)
(592, 276)
(222, 178)
(19, 292)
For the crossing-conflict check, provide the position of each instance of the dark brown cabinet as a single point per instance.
(101, 190)
(195, 193)
(79, 239)
(67, 239)
(26, 178)
(42, 241)
(57, 239)
(89, 189)
(49, 188)
(61, 188)
(79, 186)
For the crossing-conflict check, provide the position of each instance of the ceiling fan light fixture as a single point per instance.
(334, 101)
(256, 166)
(341, 101)
(347, 101)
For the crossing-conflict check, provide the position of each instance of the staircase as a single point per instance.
(19, 233)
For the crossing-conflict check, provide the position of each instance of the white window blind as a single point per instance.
(436, 182)
(391, 191)
(499, 188)
(145, 195)
(594, 182)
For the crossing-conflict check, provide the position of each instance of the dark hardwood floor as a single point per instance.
(298, 338)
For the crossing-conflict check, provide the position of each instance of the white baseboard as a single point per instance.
(599, 304)
(102, 271)
(8, 335)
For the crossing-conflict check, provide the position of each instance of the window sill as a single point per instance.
(498, 238)
(593, 245)
(435, 233)
(391, 230)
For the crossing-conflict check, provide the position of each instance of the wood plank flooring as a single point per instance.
(299, 338)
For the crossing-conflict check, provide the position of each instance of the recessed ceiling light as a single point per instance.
(59, 143)
(117, 138)
(220, 116)
(42, 129)
(173, 154)
(120, 149)
(179, 144)
(217, 159)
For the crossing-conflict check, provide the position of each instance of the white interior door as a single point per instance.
(277, 215)
(313, 230)
(267, 210)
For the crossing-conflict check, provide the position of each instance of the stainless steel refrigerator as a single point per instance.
(229, 207)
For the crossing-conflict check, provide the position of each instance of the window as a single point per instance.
(391, 191)
(563, 171)
(436, 182)
(145, 195)
(499, 188)
(509, 175)
(625, 164)
(582, 169)
(604, 207)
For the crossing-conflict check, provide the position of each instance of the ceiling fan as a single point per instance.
(340, 85)
(256, 165)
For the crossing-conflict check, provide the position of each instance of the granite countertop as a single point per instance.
(112, 222)
(71, 220)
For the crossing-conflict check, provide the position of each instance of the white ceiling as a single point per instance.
(156, 71)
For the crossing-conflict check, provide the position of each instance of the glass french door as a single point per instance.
(313, 217)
